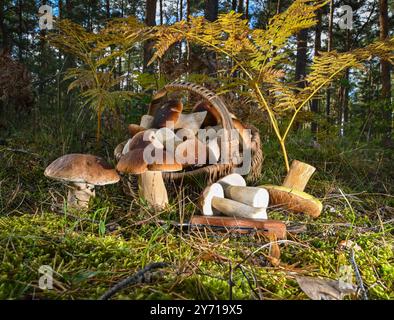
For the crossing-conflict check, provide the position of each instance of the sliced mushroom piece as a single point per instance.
(146, 121)
(235, 188)
(213, 116)
(213, 198)
(294, 200)
(191, 121)
(291, 195)
(84, 171)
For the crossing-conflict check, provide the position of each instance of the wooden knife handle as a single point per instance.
(242, 225)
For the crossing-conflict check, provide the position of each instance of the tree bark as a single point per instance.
(211, 10)
(385, 72)
(211, 14)
(329, 47)
(234, 5)
(300, 71)
(6, 43)
(317, 48)
(150, 20)
(20, 30)
(107, 9)
(161, 11)
(241, 8)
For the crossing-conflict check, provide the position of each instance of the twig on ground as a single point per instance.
(139, 277)
(359, 279)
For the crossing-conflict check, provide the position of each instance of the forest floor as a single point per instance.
(93, 250)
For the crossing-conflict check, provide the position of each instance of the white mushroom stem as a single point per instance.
(153, 190)
(151, 184)
(191, 121)
(234, 208)
(252, 196)
(79, 195)
(146, 121)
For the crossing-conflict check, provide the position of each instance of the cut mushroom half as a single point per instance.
(84, 172)
(146, 121)
(212, 199)
(234, 186)
(294, 200)
(192, 121)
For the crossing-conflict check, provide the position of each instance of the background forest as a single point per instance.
(76, 87)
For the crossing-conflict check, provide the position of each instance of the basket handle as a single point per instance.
(215, 101)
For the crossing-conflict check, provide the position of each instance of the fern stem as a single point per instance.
(311, 96)
(274, 124)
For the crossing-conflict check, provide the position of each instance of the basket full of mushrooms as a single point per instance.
(172, 146)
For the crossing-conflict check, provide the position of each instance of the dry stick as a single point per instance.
(138, 277)
(358, 275)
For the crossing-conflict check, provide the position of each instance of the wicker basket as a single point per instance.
(210, 173)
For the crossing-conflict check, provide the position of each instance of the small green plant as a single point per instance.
(97, 54)
(260, 56)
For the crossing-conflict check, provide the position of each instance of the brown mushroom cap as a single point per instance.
(134, 129)
(82, 168)
(132, 162)
(168, 164)
(293, 200)
(141, 140)
(213, 116)
(169, 111)
(119, 149)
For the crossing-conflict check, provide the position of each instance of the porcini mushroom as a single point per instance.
(291, 194)
(235, 188)
(134, 129)
(84, 171)
(167, 114)
(213, 198)
(141, 140)
(213, 116)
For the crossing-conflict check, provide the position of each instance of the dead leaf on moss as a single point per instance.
(325, 289)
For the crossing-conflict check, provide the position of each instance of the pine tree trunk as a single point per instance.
(300, 71)
(20, 30)
(385, 72)
(234, 5)
(107, 9)
(315, 102)
(241, 8)
(6, 41)
(329, 47)
(150, 20)
(211, 14)
(161, 11)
